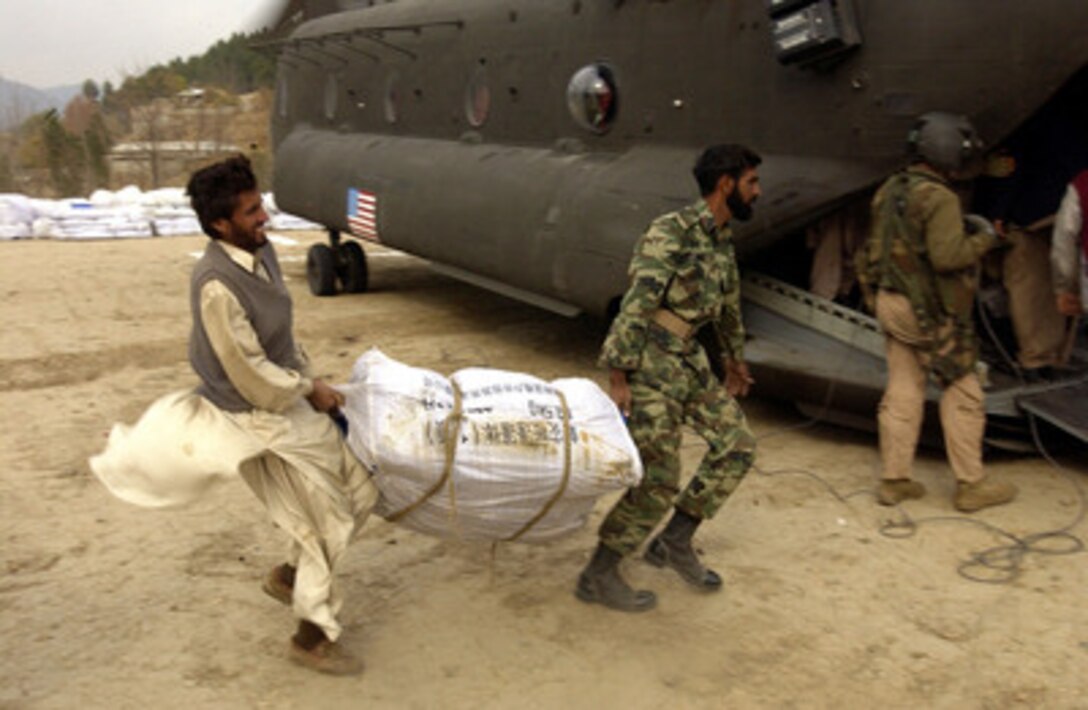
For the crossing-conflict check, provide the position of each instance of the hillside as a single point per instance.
(164, 140)
(19, 101)
(151, 131)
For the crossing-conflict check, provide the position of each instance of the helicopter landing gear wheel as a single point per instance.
(321, 270)
(353, 269)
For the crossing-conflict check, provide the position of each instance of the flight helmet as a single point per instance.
(947, 141)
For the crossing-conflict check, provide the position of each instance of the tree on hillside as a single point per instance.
(156, 83)
(96, 144)
(59, 154)
(64, 157)
(26, 148)
(8, 182)
(90, 90)
(14, 111)
(232, 64)
(212, 118)
(83, 122)
(78, 114)
(140, 91)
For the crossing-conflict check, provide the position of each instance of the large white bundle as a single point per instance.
(165, 197)
(14, 230)
(44, 208)
(44, 227)
(16, 209)
(103, 198)
(529, 461)
(73, 208)
(129, 195)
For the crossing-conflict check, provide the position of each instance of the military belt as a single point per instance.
(673, 323)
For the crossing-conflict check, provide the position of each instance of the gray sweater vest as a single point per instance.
(268, 307)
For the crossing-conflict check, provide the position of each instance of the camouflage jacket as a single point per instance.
(685, 264)
(918, 247)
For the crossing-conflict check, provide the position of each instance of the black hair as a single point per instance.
(725, 159)
(213, 190)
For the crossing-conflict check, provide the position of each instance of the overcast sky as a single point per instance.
(46, 43)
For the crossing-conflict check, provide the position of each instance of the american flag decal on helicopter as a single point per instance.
(363, 214)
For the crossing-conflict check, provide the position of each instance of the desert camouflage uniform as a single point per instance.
(918, 248)
(684, 264)
(919, 273)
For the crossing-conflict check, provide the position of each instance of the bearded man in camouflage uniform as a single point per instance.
(919, 273)
(683, 276)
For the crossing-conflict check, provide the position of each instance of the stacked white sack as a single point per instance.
(169, 211)
(282, 221)
(509, 459)
(16, 217)
(290, 223)
(128, 212)
(83, 219)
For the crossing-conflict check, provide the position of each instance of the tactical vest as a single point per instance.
(895, 258)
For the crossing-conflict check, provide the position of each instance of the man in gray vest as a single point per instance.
(243, 349)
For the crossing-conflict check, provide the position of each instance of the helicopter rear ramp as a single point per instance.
(1064, 407)
(829, 361)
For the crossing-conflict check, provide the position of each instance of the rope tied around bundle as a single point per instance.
(451, 432)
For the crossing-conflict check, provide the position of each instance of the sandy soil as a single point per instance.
(105, 605)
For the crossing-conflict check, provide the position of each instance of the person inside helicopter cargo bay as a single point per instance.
(1021, 191)
(1069, 249)
(919, 272)
(683, 277)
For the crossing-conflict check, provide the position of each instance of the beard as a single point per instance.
(251, 239)
(738, 208)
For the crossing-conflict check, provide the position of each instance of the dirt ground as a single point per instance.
(105, 605)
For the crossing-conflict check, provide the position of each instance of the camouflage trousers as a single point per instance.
(667, 391)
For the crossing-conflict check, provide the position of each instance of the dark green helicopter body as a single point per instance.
(461, 132)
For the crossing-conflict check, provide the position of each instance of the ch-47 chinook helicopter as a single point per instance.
(524, 145)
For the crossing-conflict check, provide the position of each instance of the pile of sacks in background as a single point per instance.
(128, 212)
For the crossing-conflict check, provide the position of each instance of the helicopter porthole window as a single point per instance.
(477, 98)
(591, 97)
(332, 96)
(391, 103)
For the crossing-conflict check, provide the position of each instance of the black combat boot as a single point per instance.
(673, 548)
(601, 582)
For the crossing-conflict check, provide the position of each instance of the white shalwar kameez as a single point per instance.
(290, 455)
